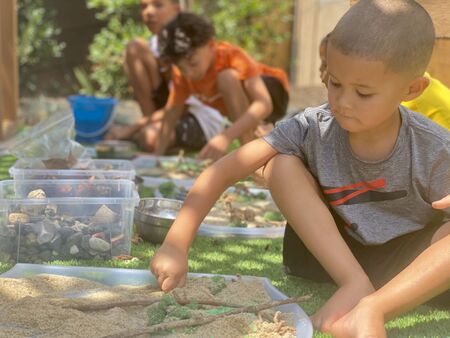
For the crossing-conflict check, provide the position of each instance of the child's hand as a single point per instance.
(363, 321)
(215, 148)
(119, 133)
(442, 203)
(170, 266)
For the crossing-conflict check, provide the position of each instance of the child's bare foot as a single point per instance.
(119, 133)
(343, 300)
(363, 321)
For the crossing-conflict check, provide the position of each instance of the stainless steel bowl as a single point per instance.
(154, 216)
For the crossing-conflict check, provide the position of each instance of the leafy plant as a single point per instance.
(38, 39)
(106, 53)
(244, 23)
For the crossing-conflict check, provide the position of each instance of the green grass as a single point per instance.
(262, 257)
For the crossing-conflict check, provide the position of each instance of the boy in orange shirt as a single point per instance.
(221, 76)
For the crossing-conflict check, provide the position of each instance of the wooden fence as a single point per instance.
(9, 79)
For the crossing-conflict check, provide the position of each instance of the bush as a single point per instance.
(244, 23)
(106, 53)
(38, 42)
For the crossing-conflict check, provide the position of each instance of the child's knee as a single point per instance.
(147, 138)
(228, 79)
(136, 48)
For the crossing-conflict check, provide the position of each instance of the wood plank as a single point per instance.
(439, 66)
(9, 78)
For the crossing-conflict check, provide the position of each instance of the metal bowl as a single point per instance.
(154, 216)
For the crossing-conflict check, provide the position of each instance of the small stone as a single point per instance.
(80, 227)
(18, 218)
(104, 215)
(85, 242)
(99, 244)
(75, 239)
(74, 250)
(31, 238)
(45, 231)
(56, 242)
(66, 232)
(51, 210)
(45, 255)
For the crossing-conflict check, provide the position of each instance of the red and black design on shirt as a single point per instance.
(361, 192)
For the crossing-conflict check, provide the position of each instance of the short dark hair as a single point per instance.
(183, 35)
(398, 32)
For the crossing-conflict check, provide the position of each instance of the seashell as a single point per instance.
(104, 215)
(18, 218)
(38, 193)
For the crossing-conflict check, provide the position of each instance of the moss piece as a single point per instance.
(273, 216)
(156, 315)
(218, 284)
(238, 224)
(167, 189)
(147, 192)
(218, 310)
(181, 312)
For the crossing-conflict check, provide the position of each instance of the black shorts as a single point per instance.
(279, 96)
(160, 94)
(380, 262)
(189, 134)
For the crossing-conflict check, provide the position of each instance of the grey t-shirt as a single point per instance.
(378, 200)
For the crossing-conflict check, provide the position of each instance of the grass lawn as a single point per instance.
(262, 257)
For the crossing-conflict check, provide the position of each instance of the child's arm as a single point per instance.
(259, 108)
(427, 276)
(169, 265)
(170, 119)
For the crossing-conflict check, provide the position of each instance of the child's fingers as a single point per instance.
(182, 281)
(442, 204)
(169, 283)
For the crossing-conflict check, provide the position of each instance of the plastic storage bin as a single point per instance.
(93, 116)
(27, 169)
(45, 220)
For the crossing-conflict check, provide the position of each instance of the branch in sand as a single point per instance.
(206, 319)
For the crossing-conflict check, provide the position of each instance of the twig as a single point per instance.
(82, 306)
(206, 319)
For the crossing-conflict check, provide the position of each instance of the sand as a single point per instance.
(35, 307)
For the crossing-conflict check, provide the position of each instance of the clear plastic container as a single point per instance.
(46, 220)
(31, 169)
(111, 276)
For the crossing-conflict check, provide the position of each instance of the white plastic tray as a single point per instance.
(210, 230)
(149, 161)
(112, 276)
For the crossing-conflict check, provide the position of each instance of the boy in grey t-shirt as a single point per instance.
(372, 164)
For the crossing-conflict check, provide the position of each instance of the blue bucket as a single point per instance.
(93, 116)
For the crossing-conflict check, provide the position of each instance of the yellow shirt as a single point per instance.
(434, 103)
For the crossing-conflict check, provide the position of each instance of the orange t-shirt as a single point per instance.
(227, 56)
